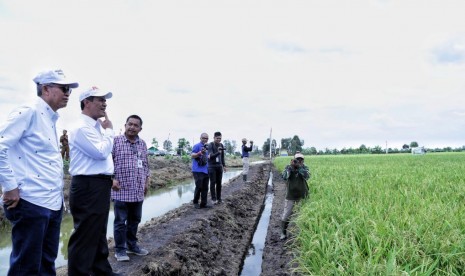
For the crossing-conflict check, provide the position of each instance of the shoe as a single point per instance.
(283, 237)
(138, 251)
(121, 256)
(219, 201)
(206, 207)
(215, 202)
(197, 206)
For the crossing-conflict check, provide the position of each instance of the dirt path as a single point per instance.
(188, 241)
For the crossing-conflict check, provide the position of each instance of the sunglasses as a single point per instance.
(64, 88)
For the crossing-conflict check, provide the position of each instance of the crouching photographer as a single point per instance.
(296, 175)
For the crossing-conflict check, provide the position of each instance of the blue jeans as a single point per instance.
(35, 236)
(127, 218)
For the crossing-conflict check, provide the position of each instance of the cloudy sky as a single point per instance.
(336, 73)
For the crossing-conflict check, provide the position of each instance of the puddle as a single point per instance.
(157, 203)
(253, 260)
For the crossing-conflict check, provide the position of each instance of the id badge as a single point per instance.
(139, 163)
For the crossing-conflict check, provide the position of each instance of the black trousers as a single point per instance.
(201, 188)
(89, 201)
(216, 177)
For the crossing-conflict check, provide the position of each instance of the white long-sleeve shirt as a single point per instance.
(90, 148)
(30, 158)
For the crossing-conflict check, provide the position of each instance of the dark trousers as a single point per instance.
(127, 218)
(216, 177)
(89, 201)
(35, 237)
(201, 188)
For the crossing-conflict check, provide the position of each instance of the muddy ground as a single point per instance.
(188, 241)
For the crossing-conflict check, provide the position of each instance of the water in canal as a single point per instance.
(157, 203)
(253, 261)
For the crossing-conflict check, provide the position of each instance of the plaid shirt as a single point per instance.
(131, 178)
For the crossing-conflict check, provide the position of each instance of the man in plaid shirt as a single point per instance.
(130, 185)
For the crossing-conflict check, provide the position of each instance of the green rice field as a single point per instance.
(382, 215)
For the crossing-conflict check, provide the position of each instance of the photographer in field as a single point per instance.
(296, 175)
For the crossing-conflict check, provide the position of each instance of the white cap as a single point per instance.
(299, 155)
(94, 91)
(54, 76)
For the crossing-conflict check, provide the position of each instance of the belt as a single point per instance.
(103, 176)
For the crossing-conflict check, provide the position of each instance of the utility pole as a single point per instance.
(271, 130)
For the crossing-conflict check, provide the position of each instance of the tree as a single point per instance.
(285, 143)
(266, 147)
(295, 145)
(183, 146)
(155, 143)
(363, 149)
(405, 147)
(413, 144)
(230, 146)
(167, 145)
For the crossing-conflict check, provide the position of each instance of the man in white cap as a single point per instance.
(31, 176)
(296, 175)
(91, 167)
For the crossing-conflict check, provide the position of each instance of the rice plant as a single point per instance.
(382, 215)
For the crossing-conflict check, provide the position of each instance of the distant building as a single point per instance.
(418, 151)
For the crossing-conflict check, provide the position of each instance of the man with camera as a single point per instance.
(296, 175)
(245, 158)
(216, 167)
(200, 172)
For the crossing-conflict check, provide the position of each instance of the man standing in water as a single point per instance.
(91, 166)
(130, 185)
(296, 175)
(31, 176)
(245, 158)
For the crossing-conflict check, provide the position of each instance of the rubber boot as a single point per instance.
(284, 225)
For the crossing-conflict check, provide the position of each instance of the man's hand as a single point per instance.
(115, 187)
(146, 187)
(107, 123)
(11, 198)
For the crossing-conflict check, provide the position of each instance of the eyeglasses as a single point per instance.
(65, 88)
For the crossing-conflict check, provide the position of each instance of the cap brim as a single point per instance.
(106, 95)
(71, 84)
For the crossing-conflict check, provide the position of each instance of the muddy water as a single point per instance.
(157, 203)
(253, 260)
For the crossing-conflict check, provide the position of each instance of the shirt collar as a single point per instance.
(46, 109)
(127, 140)
(90, 121)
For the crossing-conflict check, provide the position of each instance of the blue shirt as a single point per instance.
(30, 157)
(195, 166)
